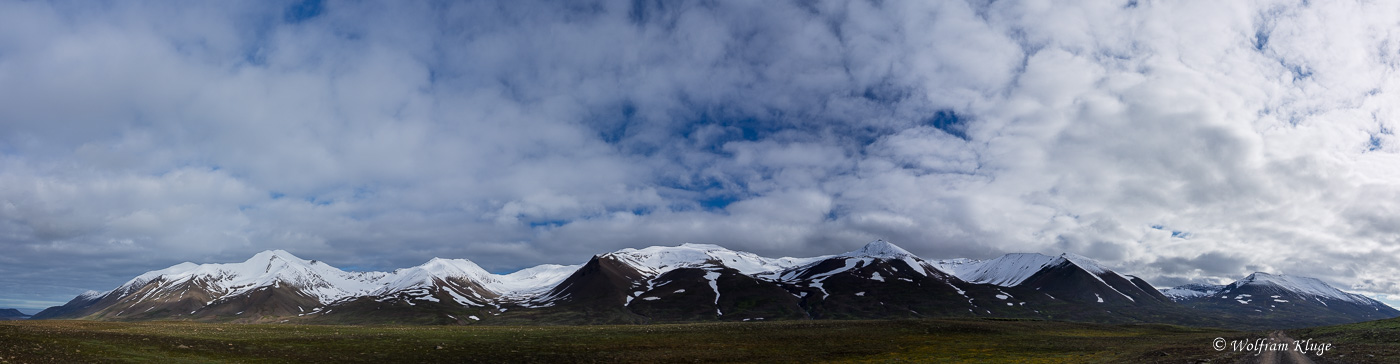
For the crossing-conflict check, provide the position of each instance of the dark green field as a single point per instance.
(950, 340)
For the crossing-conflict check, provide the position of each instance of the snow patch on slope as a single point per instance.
(816, 280)
(713, 277)
(544, 276)
(1006, 271)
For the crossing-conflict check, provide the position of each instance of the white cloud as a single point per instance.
(377, 135)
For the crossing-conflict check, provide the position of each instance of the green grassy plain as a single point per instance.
(932, 340)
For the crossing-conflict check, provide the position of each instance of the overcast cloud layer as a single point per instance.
(1180, 141)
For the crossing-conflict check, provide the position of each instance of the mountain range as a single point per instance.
(701, 282)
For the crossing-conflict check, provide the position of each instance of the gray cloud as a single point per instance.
(1177, 141)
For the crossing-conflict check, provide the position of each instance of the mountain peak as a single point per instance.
(453, 268)
(880, 249)
(269, 255)
(1275, 279)
(1258, 276)
(703, 246)
(1088, 264)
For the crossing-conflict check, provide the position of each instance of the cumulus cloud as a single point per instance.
(1180, 142)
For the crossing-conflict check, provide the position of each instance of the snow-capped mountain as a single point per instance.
(457, 279)
(1302, 301)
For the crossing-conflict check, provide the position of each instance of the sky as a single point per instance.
(1178, 141)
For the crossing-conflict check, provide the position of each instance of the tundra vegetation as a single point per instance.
(923, 340)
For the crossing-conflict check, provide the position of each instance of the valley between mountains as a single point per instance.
(698, 282)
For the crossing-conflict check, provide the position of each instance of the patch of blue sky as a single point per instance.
(1175, 233)
(548, 223)
(949, 122)
(303, 11)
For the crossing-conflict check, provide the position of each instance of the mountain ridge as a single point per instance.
(689, 282)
